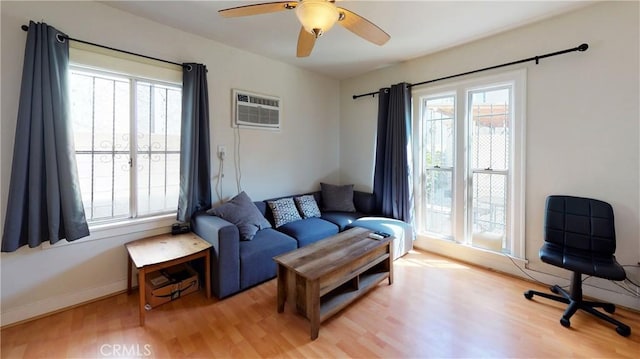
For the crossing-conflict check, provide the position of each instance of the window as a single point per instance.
(470, 163)
(127, 141)
(438, 158)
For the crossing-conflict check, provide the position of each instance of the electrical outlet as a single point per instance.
(222, 152)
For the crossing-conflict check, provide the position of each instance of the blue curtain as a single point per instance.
(44, 192)
(392, 176)
(195, 183)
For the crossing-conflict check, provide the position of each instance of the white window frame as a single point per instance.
(98, 59)
(133, 151)
(419, 194)
(461, 227)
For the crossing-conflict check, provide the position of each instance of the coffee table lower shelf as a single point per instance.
(325, 277)
(338, 299)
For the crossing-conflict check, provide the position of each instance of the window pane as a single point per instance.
(110, 197)
(100, 117)
(490, 116)
(489, 218)
(143, 177)
(121, 185)
(438, 184)
(143, 115)
(82, 110)
(121, 121)
(150, 183)
(158, 160)
(101, 114)
(84, 163)
(158, 125)
(438, 158)
(173, 180)
(174, 119)
(158, 182)
(438, 131)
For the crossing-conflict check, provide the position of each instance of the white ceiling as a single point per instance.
(417, 28)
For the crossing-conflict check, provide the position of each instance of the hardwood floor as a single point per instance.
(435, 308)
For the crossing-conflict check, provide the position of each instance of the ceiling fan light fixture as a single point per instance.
(317, 16)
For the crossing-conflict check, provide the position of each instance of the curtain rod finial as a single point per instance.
(25, 27)
(583, 47)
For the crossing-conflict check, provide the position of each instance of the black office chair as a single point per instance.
(580, 236)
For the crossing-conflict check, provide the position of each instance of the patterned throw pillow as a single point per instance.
(284, 211)
(307, 206)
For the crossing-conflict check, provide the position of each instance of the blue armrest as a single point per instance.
(225, 254)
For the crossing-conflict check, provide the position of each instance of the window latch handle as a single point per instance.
(488, 169)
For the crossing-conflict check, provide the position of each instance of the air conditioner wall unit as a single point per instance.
(251, 110)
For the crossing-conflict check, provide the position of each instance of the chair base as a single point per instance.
(575, 301)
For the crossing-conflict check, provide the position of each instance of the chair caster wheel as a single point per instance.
(624, 331)
(565, 322)
(528, 294)
(609, 308)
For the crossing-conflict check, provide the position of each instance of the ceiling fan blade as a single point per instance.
(362, 27)
(257, 9)
(306, 40)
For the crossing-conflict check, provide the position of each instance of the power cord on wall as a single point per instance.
(617, 283)
(530, 276)
(238, 169)
(218, 187)
(629, 280)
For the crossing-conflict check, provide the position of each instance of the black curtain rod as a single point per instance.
(580, 48)
(26, 28)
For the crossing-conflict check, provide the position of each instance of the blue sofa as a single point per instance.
(237, 265)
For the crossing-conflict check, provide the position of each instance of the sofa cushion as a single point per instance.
(307, 206)
(365, 202)
(241, 211)
(307, 231)
(262, 207)
(341, 219)
(256, 256)
(403, 232)
(337, 198)
(284, 211)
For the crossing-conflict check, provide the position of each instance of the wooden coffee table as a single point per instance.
(163, 251)
(331, 273)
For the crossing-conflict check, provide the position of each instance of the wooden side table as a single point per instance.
(163, 251)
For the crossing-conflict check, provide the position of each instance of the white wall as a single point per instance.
(582, 129)
(304, 152)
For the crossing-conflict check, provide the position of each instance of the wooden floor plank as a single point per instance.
(436, 308)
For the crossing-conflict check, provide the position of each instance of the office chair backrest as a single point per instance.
(580, 223)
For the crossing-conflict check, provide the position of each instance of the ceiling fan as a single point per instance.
(316, 17)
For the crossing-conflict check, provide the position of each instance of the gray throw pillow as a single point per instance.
(241, 211)
(337, 198)
(284, 211)
(307, 206)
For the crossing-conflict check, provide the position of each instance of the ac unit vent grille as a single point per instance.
(256, 111)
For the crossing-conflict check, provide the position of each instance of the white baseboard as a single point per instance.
(50, 305)
(518, 267)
